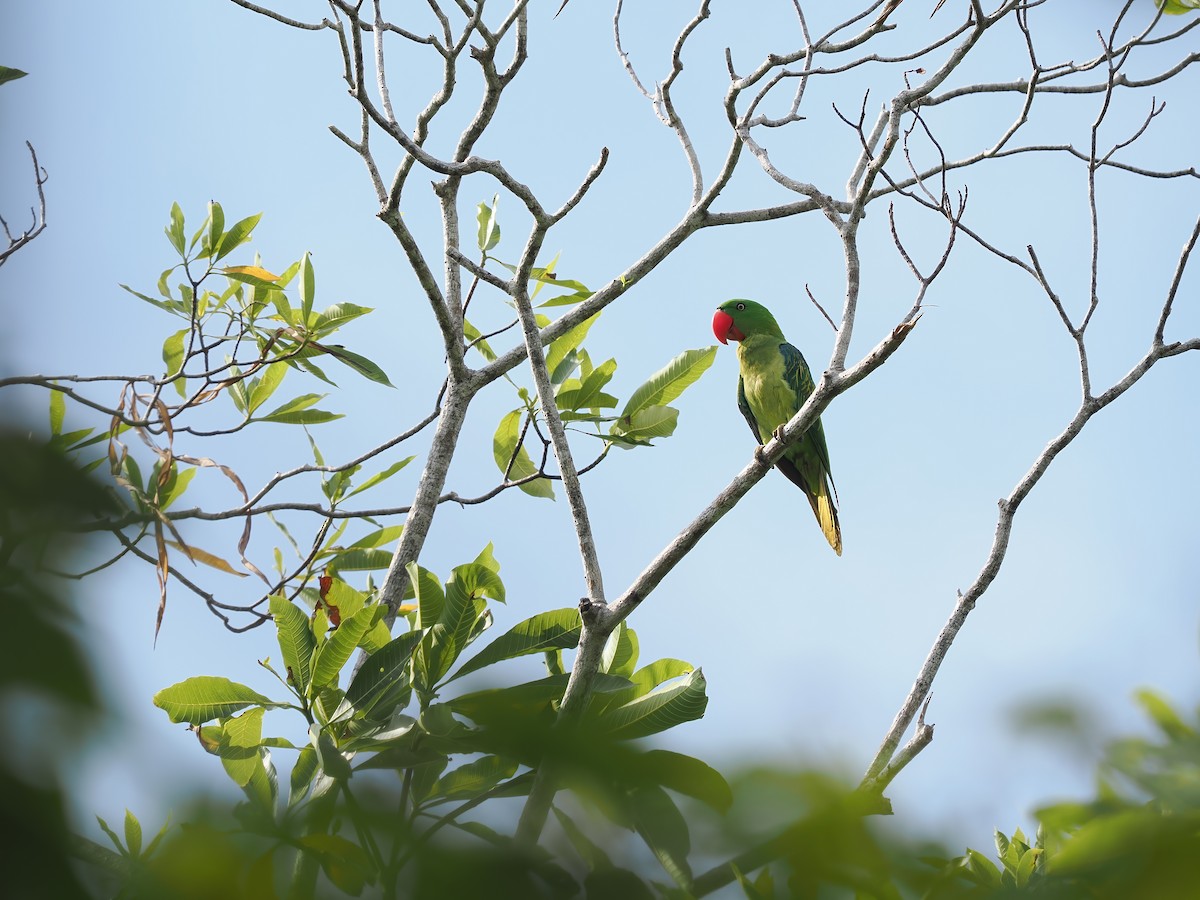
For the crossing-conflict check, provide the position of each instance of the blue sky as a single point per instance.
(807, 656)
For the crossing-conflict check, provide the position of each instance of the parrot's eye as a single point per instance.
(741, 307)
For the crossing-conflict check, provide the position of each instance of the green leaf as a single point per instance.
(236, 236)
(663, 828)
(58, 411)
(308, 288)
(133, 834)
(645, 425)
(336, 316)
(555, 630)
(381, 476)
(481, 579)
(659, 710)
(571, 299)
(333, 762)
(686, 775)
(1026, 866)
(561, 346)
(297, 412)
(216, 228)
(983, 871)
(474, 337)
(169, 305)
(620, 652)
(261, 389)
(334, 653)
(1002, 843)
(172, 354)
(487, 558)
(589, 394)
(379, 537)
(489, 227)
(474, 778)
(461, 611)
(239, 746)
(427, 589)
(175, 234)
(672, 380)
(207, 697)
(7, 74)
(344, 863)
(362, 559)
(504, 443)
(1164, 716)
(644, 680)
(1171, 7)
(358, 363)
(296, 641)
(382, 671)
(303, 771)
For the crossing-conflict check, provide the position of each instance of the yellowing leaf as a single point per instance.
(209, 559)
(252, 271)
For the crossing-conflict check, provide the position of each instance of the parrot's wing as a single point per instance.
(744, 406)
(800, 380)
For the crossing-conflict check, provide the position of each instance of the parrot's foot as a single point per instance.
(778, 433)
(762, 458)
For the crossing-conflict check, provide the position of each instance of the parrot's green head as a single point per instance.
(739, 319)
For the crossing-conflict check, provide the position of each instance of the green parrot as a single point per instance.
(773, 384)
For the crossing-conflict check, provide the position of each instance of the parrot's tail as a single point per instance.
(826, 512)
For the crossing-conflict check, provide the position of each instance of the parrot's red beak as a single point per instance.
(724, 328)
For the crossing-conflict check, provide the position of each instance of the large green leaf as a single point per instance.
(557, 629)
(664, 829)
(207, 697)
(427, 590)
(9, 74)
(175, 233)
(459, 615)
(359, 363)
(303, 771)
(587, 394)
(505, 705)
(362, 559)
(216, 228)
(239, 746)
(379, 537)
(382, 671)
(333, 318)
(489, 227)
(261, 389)
(296, 641)
(381, 476)
(481, 578)
(172, 354)
(504, 444)
(620, 652)
(657, 711)
(297, 412)
(684, 774)
(308, 288)
(236, 236)
(474, 778)
(645, 425)
(643, 681)
(341, 644)
(561, 346)
(672, 380)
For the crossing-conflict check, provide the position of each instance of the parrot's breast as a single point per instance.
(772, 401)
